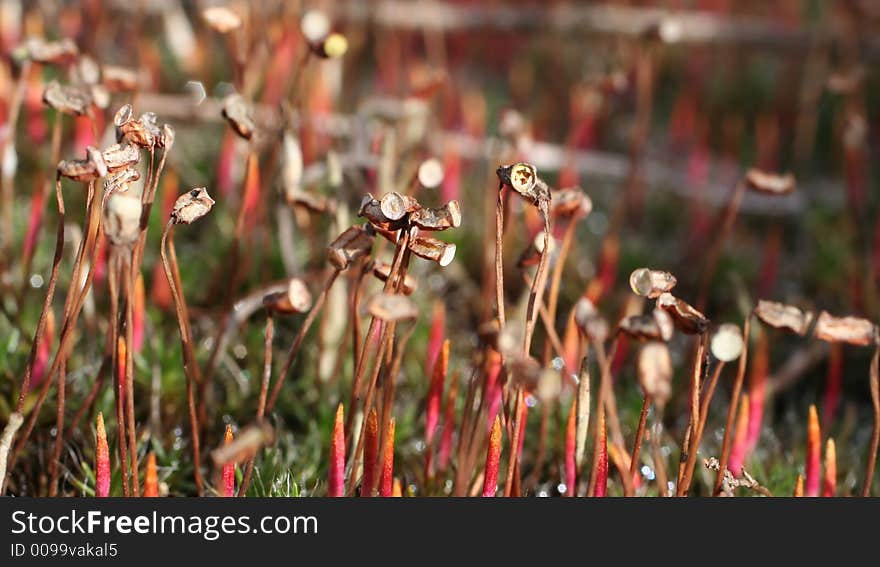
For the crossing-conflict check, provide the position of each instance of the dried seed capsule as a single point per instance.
(686, 319)
(525, 371)
(295, 299)
(655, 372)
(67, 98)
(122, 218)
(120, 181)
(121, 156)
(191, 206)
(432, 249)
(240, 115)
(571, 202)
(651, 283)
(770, 183)
(785, 317)
(131, 130)
(119, 79)
(523, 178)
(664, 321)
(589, 322)
(641, 327)
(124, 115)
(312, 202)
(221, 19)
(440, 218)
(430, 173)
(392, 307)
(371, 210)
(395, 205)
(851, 330)
(151, 123)
(352, 244)
(87, 71)
(100, 96)
(78, 169)
(166, 138)
(58, 52)
(382, 270)
(727, 342)
(97, 158)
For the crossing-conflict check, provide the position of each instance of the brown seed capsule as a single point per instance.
(87, 71)
(382, 270)
(124, 115)
(589, 322)
(58, 52)
(392, 307)
(166, 139)
(686, 319)
(785, 317)
(523, 178)
(440, 218)
(191, 206)
(221, 19)
(121, 156)
(120, 181)
(488, 332)
(657, 326)
(312, 202)
(122, 218)
(67, 98)
(89, 169)
(525, 371)
(151, 123)
(727, 342)
(371, 210)
(430, 173)
(770, 183)
(352, 244)
(851, 330)
(295, 299)
(655, 372)
(570, 202)
(395, 205)
(432, 249)
(131, 130)
(651, 283)
(118, 79)
(240, 115)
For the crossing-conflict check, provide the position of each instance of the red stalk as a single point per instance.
(493, 459)
(436, 335)
(228, 468)
(570, 469)
(371, 453)
(829, 485)
(814, 467)
(138, 315)
(602, 470)
(336, 480)
(738, 452)
(41, 361)
(798, 486)
(386, 483)
(151, 477)
(757, 391)
(448, 425)
(102, 461)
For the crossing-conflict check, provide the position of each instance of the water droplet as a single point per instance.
(561, 488)
(36, 281)
(531, 401)
(647, 472)
(558, 363)
(240, 351)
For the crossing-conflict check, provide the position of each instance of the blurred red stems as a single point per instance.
(102, 461)
(493, 459)
(336, 479)
(814, 468)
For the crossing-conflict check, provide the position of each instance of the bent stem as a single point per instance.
(734, 403)
(190, 368)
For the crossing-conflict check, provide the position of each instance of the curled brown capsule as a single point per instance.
(151, 122)
(122, 218)
(782, 316)
(131, 130)
(727, 342)
(525, 371)
(89, 169)
(523, 178)
(649, 283)
(439, 218)
(221, 19)
(382, 270)
(295, 299)
(59, 52)
(123, 116)
(353, 243)
(570, 202)
(371, 210)
(312, 202)
(655, 372)
(166, 138)
(191, 206)
(120, 181)
(121, 156)
(240, 115)
(589, 322)
(331, 47)
(395, 206)
(392, 307)
(685, 317)
(118, 79)
(657, 326)
(770, 183)
(852, 330)
(432, 249)
(68, 99)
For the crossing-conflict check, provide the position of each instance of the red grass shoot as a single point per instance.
(102, 461)
(757, 391)
(814, 464)
(829, 484)
(151, 477)
(798, 486)
(228, 468)
(435, 394)
(387, 482)
(570, 469)
(738, 452)
(493, 459)
(138, 315)
(371, 450)
(436, 335)
(602, 456)
(448, 425)
(336, 480)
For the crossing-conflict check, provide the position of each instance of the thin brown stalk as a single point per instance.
(875, 433)
(734, 404)
(686, 468)
(604, 359)
(119, 394)
(696, 438)
(261, 402)
(128, 291)
(190, 368)
(640, 433)
(499, 256)
(657, 454)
